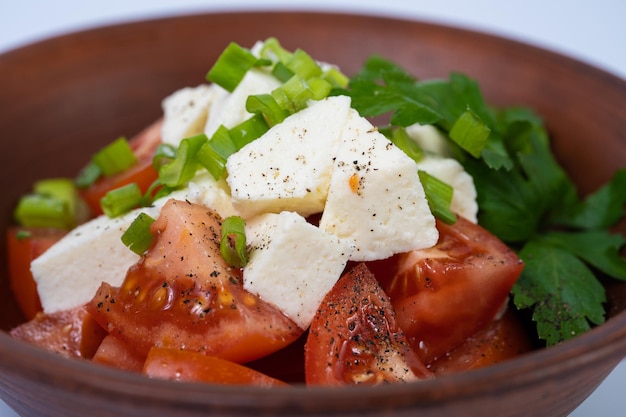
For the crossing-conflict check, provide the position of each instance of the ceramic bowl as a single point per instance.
(63, 98)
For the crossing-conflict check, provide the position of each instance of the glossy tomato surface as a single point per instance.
(444, 294)
(354, 337)
(24, 245)
(184, 365)
(183, 295)
(70, 333)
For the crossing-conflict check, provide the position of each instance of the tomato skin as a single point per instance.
(21, 252)
(183, 295)
(71, 333)
(184, 365)
(354, 337)
(501, 340)
(445, 294)
(113, 352)
(143, 173)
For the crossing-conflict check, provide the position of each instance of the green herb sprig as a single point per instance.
(525, 197)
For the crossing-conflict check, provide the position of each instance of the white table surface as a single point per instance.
(591, 31)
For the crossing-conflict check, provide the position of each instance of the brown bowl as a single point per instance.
(63, 98)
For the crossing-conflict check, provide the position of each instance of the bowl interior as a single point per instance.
(64, 98)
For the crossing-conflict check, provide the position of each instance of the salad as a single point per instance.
(283, 223)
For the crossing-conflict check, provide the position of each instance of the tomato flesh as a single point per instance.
(354, 337)
(24, 245)
(142, 173)
(71, 333)
(501, 340)
(445, 294)
(113, 352)
(182, 365)
(183, 295)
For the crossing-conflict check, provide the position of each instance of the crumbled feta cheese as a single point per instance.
(429, 138)
(375, 196)
(451, 172)
(292, 264)
(229, 109)
(69, 273)
(289, 167)
(185, 112)
(203, 189)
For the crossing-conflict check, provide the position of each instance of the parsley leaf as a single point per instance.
(601, 209)
(525, 197)
(598, 248)
(564, 294)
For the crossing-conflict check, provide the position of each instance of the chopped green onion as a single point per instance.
(163, 155)
(282, 72)
(59, 205)
(59, 188)
(470, 133)
(231, 66)
(233, 243)
(248, 130)
(88, 175)
(214, 153)
(121, 200)
(293, 95)
(138, 237)
(185, 164)
(36, 210)
(266, 104)
(115, 157)
(439, 196)
(22, 234)
(274, 51)
(303, 65)
(319, 87)
(336, 78)
(403, 141)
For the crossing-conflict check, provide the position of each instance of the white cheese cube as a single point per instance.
(430, 139)
(292, 264)
(376, 197)
(289, 167)
(203, 189)
(451, 172)
(229, 109)
(69, 273)
(185, 112)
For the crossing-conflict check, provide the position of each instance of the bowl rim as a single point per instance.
(606, 340)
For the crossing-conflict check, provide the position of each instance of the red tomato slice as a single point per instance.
(501, 340)
(445, 294)
(114, 352)
(143, 173)
(70, 333)
(183, 365)
(354, 337)
(183, 295)
(24, 245)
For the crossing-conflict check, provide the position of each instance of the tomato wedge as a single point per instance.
(24, 245)
(445, 294)
(501, 340)
(143, 173)
(183, 295)
(113, 352)
(354, 337)
(183, 365)
(71, 333)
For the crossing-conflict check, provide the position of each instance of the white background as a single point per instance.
(591, 31)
